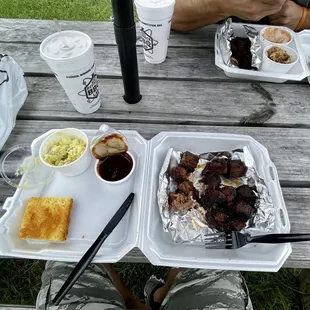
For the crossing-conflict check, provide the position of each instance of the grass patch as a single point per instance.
(270, 291)
(20, 281)
(134, 276)
(95, 10)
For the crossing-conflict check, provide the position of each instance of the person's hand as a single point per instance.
(289, 16)
(252, 10)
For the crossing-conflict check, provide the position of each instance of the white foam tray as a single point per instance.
(299, 71)
(95, 203)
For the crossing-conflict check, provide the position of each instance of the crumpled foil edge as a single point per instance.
(227, 34)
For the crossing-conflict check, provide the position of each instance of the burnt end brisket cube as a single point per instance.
(177, 200)
(241, 52)
(189, 161)
(207, 203)
(212, 223)
(236, 168)
(217, 165)
(246, 193)
(179, 173)
(236, 225)
(230, 194)
(211, 179)
(243, 210)
(213, 199)
(220, 217)
(188, 189)
(211, 192)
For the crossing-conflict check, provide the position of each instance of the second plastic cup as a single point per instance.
(155, 21)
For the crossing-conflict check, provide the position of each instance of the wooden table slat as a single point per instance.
(35, 31)
(288, 147)
(178, 102)
(185, 63)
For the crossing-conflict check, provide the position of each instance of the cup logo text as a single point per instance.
(91, 90)
(147, 40)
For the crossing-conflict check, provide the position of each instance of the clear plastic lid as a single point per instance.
(21, 167)
(65, 45)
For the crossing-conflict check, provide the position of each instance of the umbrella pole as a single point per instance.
(125, 35)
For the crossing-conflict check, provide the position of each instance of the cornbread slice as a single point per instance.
(46, 218)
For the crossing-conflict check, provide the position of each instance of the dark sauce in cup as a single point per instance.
(115, 167)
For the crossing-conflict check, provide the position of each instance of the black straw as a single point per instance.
(125, 35)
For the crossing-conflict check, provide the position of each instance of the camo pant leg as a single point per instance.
(94, 289)
(208, 289)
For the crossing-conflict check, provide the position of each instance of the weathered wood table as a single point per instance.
(186, 93)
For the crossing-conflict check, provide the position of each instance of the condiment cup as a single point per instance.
(76, 167)
(122, 181)
(272, 66)
(279, 32)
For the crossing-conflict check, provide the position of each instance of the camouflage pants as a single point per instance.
(192, 289)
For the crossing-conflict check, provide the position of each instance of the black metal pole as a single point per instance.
(125, 35)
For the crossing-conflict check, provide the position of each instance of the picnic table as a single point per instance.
(185, 93)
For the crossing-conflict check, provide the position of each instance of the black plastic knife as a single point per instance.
(92, 251)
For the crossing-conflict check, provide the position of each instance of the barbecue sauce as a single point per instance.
(115, 167)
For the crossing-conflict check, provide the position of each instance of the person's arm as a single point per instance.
(306, 24)
(192, 14)
(290, 16)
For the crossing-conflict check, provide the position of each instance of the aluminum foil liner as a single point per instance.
(191, 226)
(256, 46)
(227, 34)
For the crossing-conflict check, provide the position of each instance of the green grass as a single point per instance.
(20, 281)
(274, 291)
(98, 10)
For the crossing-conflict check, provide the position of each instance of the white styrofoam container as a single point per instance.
(94, 205)
(297, 73)
(303, 38)
(142, 225)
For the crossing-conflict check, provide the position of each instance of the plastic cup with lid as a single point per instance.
(70, 56)
(155, 22)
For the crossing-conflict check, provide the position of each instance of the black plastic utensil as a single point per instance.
(237, 240)
(92, 251)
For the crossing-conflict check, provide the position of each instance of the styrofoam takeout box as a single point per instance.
(297, 73)
(96, 202)
(304, 41)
